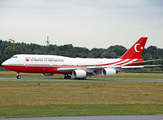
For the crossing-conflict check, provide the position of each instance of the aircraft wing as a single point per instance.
(94, 68)
(66, 69)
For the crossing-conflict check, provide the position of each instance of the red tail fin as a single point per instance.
(136, 50)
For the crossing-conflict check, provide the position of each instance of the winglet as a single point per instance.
(136, 50)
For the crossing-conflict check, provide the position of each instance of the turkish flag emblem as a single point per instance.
(27, 60)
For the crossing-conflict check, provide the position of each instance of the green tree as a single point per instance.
(62, 53)
(4, 57)
(119, 50)
(72, 53)
(36, 51)
(9, 51)
(91, 55)
(105, 55)
(147, 56)
(158, 52)
(83, 55)
(151, 49)
(113, 55)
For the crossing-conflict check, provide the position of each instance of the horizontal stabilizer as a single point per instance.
(132, 67)
(144, 66)
(149, 66)
(146, 61)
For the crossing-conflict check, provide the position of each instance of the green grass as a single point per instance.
(64, 98)
(80, 109)
(79, 92)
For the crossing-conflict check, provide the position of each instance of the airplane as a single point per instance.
(79, 68)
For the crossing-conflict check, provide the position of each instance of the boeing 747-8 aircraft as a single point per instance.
(79, 68)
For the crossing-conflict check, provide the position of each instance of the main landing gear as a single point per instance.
(67, 76)
(18, 75)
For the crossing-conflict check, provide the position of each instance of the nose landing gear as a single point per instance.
(18, 75)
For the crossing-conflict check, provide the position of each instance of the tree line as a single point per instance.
(6, 51)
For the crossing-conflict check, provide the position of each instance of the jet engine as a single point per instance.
(79, 73)
(108, 72)
(47, 74)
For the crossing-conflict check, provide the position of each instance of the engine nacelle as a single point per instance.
(79, 73)
(47, 74)
(108, 72)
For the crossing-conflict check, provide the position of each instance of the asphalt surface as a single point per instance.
(107, 117)
(89, 79)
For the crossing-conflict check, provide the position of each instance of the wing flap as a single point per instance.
(95, 67)
(66, 69)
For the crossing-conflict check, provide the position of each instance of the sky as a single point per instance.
(82, 23)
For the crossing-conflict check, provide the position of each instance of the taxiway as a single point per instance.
(89, 79)
(106, 117)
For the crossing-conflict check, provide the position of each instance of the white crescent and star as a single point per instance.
(135, 47)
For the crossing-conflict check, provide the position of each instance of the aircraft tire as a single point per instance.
(67, 77)
(18, 76)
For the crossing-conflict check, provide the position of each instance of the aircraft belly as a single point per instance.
(31, 69)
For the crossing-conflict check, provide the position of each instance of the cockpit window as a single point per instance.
(14, 56)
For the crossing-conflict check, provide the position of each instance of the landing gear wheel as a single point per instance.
(18, 76)
(67, 77)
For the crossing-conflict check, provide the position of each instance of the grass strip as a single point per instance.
(80, 110)
(69, 98)
(79, 92)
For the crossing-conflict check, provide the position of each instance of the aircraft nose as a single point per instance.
(4, 63)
